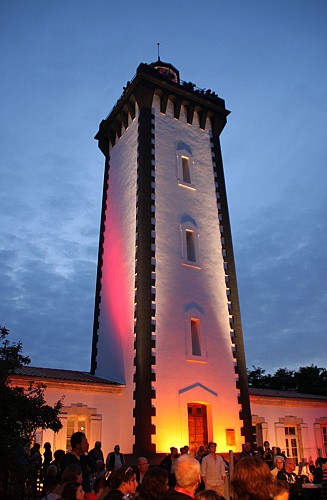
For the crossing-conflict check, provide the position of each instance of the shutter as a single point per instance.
(280, 435)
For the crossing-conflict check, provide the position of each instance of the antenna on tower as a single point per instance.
(158, 51)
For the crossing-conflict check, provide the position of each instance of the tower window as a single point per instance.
(185, 166)
(186, 170)
(195, 337)
(190, 246)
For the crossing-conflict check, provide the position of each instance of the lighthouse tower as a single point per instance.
(167, 321)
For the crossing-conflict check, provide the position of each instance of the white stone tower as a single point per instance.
(167, 320)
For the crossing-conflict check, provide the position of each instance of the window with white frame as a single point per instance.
(195, 333)
(185, 166)
(190, 246)
(190, 242)
(186, 169)
(195, 337)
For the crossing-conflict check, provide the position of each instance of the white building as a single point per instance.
(168, 365)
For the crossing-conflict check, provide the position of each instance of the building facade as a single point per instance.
(297, 423)
(167, 320)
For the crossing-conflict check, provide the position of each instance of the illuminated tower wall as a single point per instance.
(167, 319)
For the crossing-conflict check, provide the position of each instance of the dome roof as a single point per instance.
(167, 70)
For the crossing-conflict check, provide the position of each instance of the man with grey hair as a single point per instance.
(279, 465)
(142, 467)
(188, 477)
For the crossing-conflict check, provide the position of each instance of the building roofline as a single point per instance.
(60, 375)
(272, 393)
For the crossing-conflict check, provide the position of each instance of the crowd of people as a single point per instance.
(266, 474)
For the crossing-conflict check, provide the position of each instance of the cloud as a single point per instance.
(282, 294)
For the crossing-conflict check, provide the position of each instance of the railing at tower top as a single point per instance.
(189, 86)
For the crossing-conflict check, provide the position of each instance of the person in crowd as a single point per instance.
(35, 462)
(324, 479)
(188, 478)
(213, 470)
(154, 484)
(97, 489)
(267, 454)
(35, 458)
(58, 454)
(279, 462)
(317, 473)
(47, 455)
(304, 471)
(283, 491)
(246, 450)
(288, 475)
(71, 474)
(50, 483)
(73, 491)
(100, 469)
(252, 480)
(280, 452)
(77, 455)
(168, 463)
(96, 452)
(115, 460)
(200, 453)
(122, 482)
(142, 467)
(208, 495)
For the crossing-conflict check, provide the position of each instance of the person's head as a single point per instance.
(173, 451)
(283, 491)
(52, 471)
(124, 479)
(49, 484)
(72, 473)
(47, 446)
(117, 448)
(290, 464)
(187, 472)
(212, 447)
(99, 485)
(266, 444)
(73, 491)
(142, 465)
(100, 465)
(79, 443)
(247, 446)
(279, 462)
(97, 445)
(208, 495)
(58, 454)
(154, 484)
(252, 480)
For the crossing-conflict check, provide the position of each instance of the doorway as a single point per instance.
(197, 426)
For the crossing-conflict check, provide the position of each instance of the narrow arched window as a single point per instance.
(190, 246)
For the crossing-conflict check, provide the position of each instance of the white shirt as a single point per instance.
(213, 470)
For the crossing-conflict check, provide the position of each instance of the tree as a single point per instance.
(307, 380)
(22, 411)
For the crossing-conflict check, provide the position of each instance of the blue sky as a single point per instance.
(64, 64)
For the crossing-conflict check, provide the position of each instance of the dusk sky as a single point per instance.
(64, 64)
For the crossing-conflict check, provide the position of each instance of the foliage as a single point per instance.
(22, 411)
(307, 379)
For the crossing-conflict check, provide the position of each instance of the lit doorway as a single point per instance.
(197, 426)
